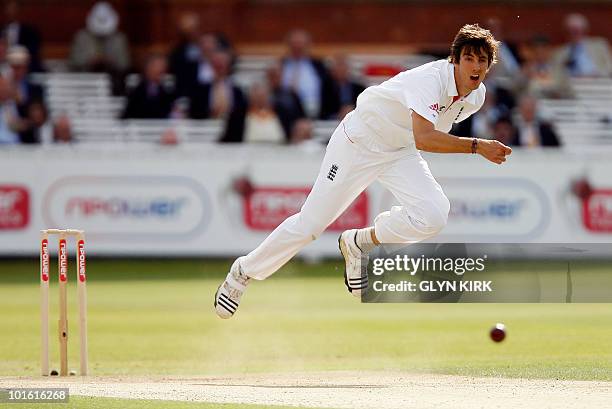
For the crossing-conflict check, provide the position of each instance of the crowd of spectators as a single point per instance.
(194, 80)
(521, 78)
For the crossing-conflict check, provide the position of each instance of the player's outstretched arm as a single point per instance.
(429, 140)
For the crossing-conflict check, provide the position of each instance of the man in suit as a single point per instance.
(220, 99)
(187, 52)
(345, 89)
(18, 33)
(9, 120)
(198, 71)
(532, 131)
(505, 79)
(307, 76)
(152, 98)
(286, 102)
(582, 56)
(27, 92)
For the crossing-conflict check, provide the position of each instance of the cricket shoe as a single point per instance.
(355, 263)
(227, 297)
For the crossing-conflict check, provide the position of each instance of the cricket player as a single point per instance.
(381, 140)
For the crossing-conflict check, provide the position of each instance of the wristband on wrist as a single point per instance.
(474, 145)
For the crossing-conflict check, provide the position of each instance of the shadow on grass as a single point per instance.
(26, 270)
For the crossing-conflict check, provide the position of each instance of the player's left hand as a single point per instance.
(493, 150)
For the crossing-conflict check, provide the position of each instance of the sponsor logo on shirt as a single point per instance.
(437, 108)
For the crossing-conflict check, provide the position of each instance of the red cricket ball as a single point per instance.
(498, 332)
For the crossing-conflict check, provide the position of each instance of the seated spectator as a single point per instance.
(307, 76)
(286, 102)
(33, 126)
(100, 47)
(582, 56)
(57, 131)
(345, 89)
(169, 138)
(505, 78)
(302, 132)
(4, 65)
(187, 52)
(200, 71)
(480, 125)
(152, 98)
(539, 72)
(208, 46)
(26, 92)
(62, 130)
(531, 130)
(9, 120)
(508, 64)
(504, 131)
(220, 98)
(261, 123)
(17, 33)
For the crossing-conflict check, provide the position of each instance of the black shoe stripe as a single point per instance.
(357, 280)
(229, 300)
(232, 306)
(222, 303)
(224, 300)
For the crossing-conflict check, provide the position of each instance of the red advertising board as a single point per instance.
(267, 207)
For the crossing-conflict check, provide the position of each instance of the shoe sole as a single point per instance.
(361, 289)
(215, 303)
(340, 247)
(216, 294)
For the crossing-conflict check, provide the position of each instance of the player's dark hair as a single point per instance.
(475, 39)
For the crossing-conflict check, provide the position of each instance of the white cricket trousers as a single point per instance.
(347, 169)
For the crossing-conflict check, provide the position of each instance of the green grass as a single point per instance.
(156, 317)
(77, 402)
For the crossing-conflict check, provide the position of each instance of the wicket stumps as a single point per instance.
(63, 297)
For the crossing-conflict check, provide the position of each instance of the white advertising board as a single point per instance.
(141, 200)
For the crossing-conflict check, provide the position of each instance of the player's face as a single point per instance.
(473, 67)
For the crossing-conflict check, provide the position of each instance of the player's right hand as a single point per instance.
(493, 150)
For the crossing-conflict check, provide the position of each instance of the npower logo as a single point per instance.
(501, 209)
(81, 261)
(117, 207)
(63, 261)
(146, 207)
(494, 208)
(44, 260)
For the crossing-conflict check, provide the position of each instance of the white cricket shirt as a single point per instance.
(428, 90)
